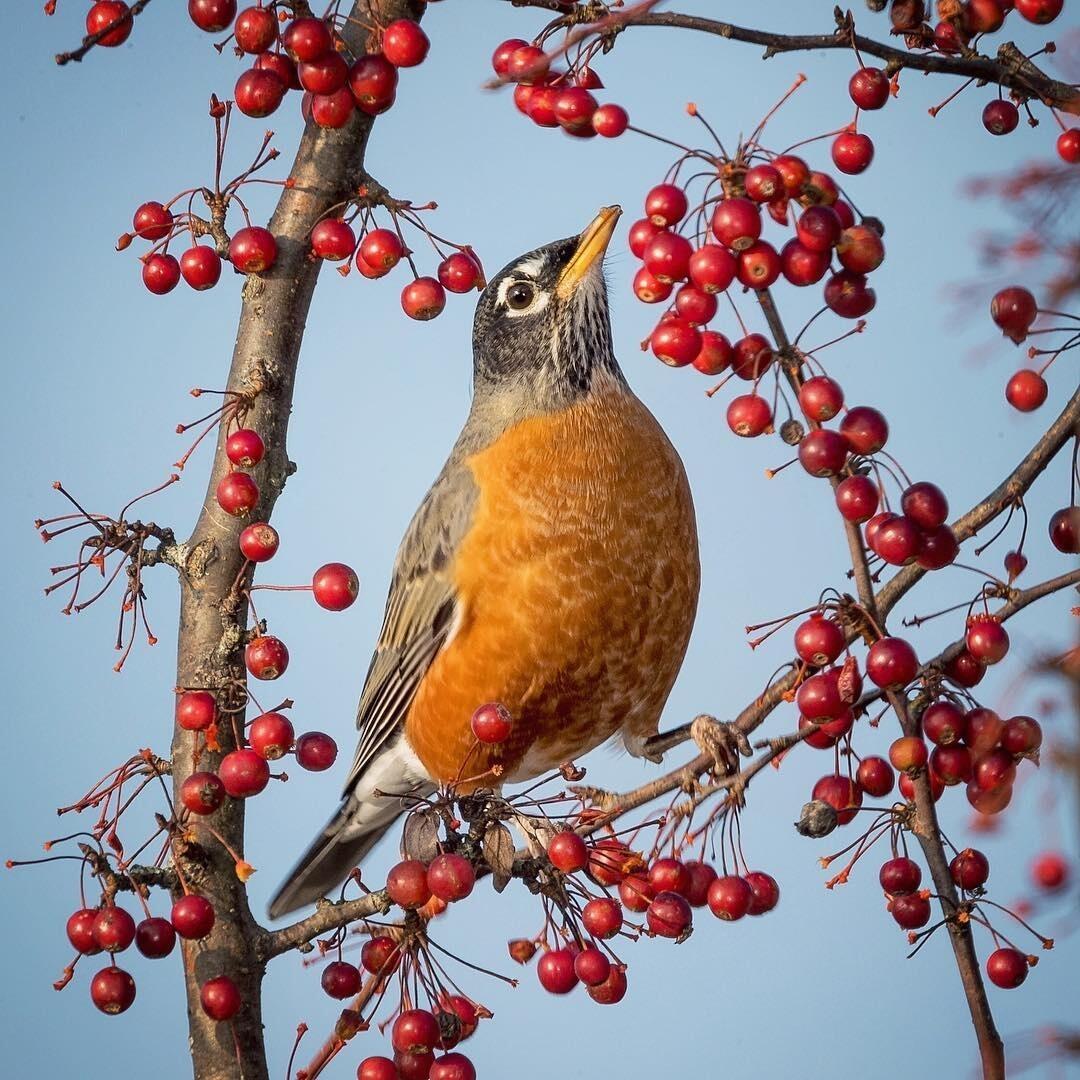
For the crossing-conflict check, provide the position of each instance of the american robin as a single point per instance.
(552, 567)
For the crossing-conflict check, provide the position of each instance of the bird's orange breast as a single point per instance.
(577, 585)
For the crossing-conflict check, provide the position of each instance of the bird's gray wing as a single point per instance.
(420, 611)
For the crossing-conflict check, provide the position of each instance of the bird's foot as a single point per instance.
(598, 798)
(720, 741)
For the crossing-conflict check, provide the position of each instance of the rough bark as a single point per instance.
(329, 166)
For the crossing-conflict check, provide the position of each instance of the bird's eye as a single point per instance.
(520, 295)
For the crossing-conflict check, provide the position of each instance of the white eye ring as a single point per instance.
(536, 300)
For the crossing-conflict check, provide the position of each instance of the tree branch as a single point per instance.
(328, 916)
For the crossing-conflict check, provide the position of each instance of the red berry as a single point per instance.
(995, 769)
(155, 938)
(986, 639)
(377, 1068)
(989, 801)
(828, 733)
(114, 929)
(694, 305)
(736, 223)
(984, 16)
(818, 640)
(450, 877)
(794, 171)
(969, 869)
(1007, 967)
(152, 221)
(818, 698)
(266, 657)
(282, 66)
(491, 723)
(860, 249)
(1041, 12)
(341, 980)
(612, 990)
(823, 452)
(1021, 736)
(649, 289)
(715, 355)
(1068, 146)
(765, 892)
(200, 267)
(212, 15)
(869, 88)
(675, 342)
(908, 754)
(253, 249)
(307, 39)
(255, 29)
(820, 398)
(800, 265)
(636, 893)
(602, 917)
(380, 955)
(852, 152)
(943, 723)
(857, 498)
(258, 92)
(751, 357)
(641, 232)
(610, 120)
(764, 183)
(500, 59)
(453, 1066)
(875, 776)
(315, 751)
(702, 875)
(1065, 530)
(527, 64)
(1014, 310)
(758, 266)
(423, 299)
(999, 116)
(333, 239)
(192, 916)
(848, 295)
(568, 852)
(608, 861)
(161, 273)
(982, 729)
(555, 970)
(80, 931)
(925, 504)
(335, 586)
(259, 542)
(1050, 871)
(404, 44)
(1026, 390)
(865, 430)
(667, 257)
(951, 764)
(196, 710)
(414, 1066)
(106, 13)
(910, 911)
(711, 268)
(331, 110)
(821, 189)
(900, 876)
(202, 792)
(730, 897)
(574, 108)
(271, 735)
(891, 663)
(749, 415)
(965, 670)
(670, 875)
(841, 793)
(244, 773)
(381, 249)
(459, 273)
(237, 493)
(819, 228)
(666, 204)
(112, 990)
(245, 448)
(669, 915)
(407, 884)
(591, 966)
(220, 998)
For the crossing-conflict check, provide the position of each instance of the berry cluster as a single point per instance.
(558, 99)
(960, 28)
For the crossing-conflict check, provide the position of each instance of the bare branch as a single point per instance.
(328, 916)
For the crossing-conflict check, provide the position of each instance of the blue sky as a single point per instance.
(98, 372)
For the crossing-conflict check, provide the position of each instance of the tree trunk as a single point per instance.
(329, 167)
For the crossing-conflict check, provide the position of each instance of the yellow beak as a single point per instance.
(591, 247)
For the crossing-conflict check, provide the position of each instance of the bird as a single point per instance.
(552, 568)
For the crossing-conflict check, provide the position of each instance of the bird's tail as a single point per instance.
(363, 816)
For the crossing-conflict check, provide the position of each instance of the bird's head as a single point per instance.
(542, 322)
